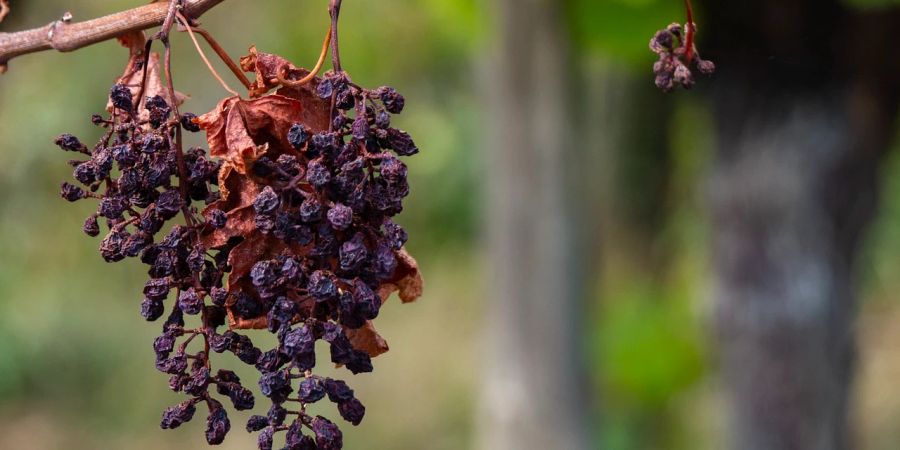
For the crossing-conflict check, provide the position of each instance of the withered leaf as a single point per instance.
(267, 67)
(368, 340)
(407, 280)
(239, 132)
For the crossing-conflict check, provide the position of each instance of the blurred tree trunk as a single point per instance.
(805, 100)
(533, 381)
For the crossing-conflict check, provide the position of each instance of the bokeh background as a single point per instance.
(638, 176)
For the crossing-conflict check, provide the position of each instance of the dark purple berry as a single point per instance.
(159, 110)
(337, 390)
(299, 341)
(256, 423)
(392, 100)
(91, 227)
(153, 143)
(218, 219)
(340, 217)
(120, 96)
(217, 423)
(169, 204)
(111, 247)
(393, 170)
(317, 174)
(266, 202)
(298, 136)
(264, 441)
(321, 286)
(328, 435)
(310, 210)
(70, 143)
(174, 416)
(360, 128)
(310, 390)
(164, 343)
(353, 253)
(352, 411)
(325, 89)
(86, 173)
(190, 302)
(383, 120)
(72, 193)
(218, 296)
(401, 142)
(274, 384)
(188, 123)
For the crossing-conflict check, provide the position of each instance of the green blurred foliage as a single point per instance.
(621, 29)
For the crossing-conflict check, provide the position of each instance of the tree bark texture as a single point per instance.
(805, 103)
(533, 393)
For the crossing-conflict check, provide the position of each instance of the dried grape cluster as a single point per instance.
(673, 67)
(677, 54)
(285, 225)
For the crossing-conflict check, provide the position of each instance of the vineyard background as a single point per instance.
(76, 370)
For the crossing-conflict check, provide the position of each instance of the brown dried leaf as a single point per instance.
(407, 279)
(267, 66)
(408, 282)
(240, 132)
(368, 340)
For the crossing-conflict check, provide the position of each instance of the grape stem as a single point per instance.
(190, 32)
(312, 73)
(334, 10)
(689, 32)
(223, 55)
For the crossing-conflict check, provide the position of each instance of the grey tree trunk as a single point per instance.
(533, 382)
(804, 118)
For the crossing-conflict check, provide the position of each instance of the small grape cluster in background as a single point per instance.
(677, 52)
(673, 67)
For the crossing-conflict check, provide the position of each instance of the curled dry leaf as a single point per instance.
(408, 283)
(267, 67)
(240, 132)
(368, 340)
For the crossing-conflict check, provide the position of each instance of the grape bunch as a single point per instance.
(677, 53)
(284, 225)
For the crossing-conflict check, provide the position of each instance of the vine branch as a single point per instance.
(66, 36)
